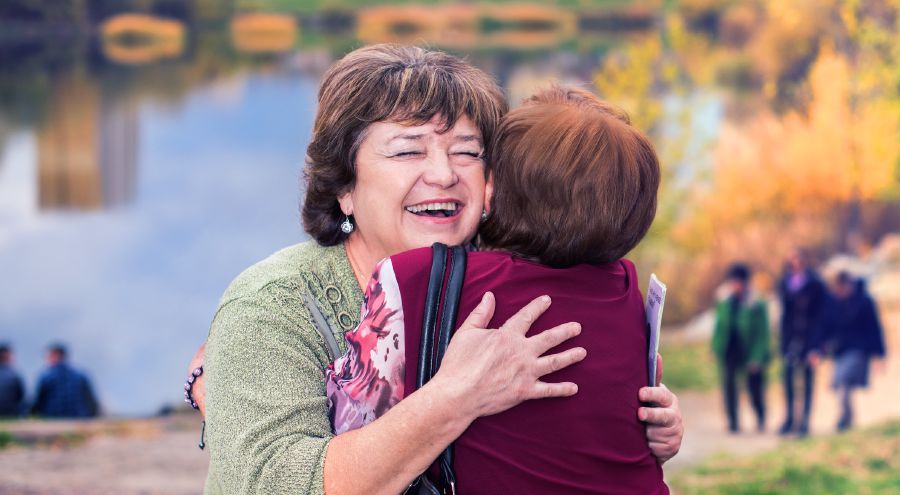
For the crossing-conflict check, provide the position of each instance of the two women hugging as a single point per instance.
(574, 189)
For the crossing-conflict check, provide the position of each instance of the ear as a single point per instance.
(346, 202)
(488, 192)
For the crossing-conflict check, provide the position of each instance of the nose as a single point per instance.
(440, 171)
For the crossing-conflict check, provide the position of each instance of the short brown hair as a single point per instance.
(404, 84)
(574, 181)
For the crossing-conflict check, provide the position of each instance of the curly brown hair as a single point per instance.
(404, 84)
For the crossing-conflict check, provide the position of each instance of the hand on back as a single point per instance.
(492, 370)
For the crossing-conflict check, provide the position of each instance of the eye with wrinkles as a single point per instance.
(473, 154)
(407, 154)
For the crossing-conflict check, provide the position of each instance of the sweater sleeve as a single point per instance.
(760, 348)
(267, 427)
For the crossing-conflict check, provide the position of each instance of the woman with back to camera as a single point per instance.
(574, 189)
(402, 130)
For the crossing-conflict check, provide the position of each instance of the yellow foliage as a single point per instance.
(808, 163)
(781, 180)
(628, 78)
(790, 165)
(786, 37)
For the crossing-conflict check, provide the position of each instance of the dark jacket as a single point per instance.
(852, 324)
(12, 392)
(801, 315)
(64, 392)
(752, 324)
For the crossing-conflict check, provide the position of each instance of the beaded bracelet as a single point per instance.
(189, 386)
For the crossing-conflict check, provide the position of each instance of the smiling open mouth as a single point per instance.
(443, 210)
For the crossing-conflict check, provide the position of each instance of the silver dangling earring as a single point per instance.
(347, 225)
(483, 214)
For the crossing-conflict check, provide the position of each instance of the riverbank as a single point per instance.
(100, 457)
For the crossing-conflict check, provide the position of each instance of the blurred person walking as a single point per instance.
(741, 344)
(854, 334)
(12, 389)
(63, 391)
(802, 296)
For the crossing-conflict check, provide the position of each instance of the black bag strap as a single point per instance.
(451, 302)
(425, 368)
(438, 324)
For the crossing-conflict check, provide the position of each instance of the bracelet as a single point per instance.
(189, 386)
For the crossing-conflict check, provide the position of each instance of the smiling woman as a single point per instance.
(423, 184)
(395, 163)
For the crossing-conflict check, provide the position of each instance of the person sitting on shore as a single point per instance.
(63, 391)
(12, 390)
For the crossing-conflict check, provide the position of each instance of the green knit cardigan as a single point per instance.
(279, 324)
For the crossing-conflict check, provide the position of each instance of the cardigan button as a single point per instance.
(333, 294)
(345, 320)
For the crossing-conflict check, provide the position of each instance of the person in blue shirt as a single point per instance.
(63, 391)
(855, 336)
(12, 390)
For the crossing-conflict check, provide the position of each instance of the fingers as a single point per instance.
(657, 416)
(525, 317)
(482, 314)
(550, 338)
(543, 390)
(659, 373)
(661, 396)
(663, 451)
(198, 391)
(198, 358)
(556, 362)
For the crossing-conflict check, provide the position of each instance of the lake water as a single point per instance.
(132, 192)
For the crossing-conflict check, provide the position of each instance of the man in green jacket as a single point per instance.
(741, 344)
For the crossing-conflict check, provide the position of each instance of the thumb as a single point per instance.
(482, 314)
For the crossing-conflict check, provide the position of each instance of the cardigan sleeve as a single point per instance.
(267, 427)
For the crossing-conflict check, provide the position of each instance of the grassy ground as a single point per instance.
(688, 366)
(860, 462)
(691, 366)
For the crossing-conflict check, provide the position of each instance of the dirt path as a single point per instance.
(704, 413)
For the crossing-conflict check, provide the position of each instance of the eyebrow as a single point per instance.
(407, 137)
(467, 138)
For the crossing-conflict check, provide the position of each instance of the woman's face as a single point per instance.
(415, 186)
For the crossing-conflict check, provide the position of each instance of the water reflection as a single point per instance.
(133, 289)
(87, 148)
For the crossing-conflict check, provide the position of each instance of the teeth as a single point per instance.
(432, 207)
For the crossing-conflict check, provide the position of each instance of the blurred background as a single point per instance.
(150, 150)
